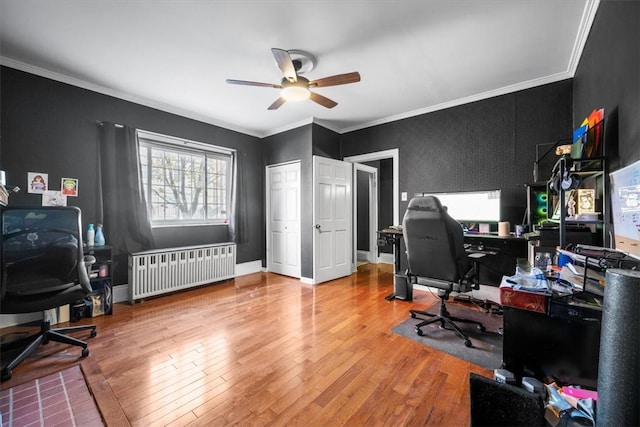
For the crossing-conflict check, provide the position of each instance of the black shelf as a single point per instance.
(100, 277)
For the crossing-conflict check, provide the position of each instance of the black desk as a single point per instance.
(537, 345)
(503, 253)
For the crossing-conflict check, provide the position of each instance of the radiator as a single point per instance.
(162, 271)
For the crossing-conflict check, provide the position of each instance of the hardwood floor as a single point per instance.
(265, 349)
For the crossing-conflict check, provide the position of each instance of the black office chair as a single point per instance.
(437, 258)
(43, 267)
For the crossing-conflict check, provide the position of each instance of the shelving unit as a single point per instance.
(100, 275)
(591, 174)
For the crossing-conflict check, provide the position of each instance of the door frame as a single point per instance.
(268, 212)
(394, 155)
(372, 188)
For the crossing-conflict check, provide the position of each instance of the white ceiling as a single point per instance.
(414, 56)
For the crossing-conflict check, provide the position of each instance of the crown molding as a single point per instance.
(62, 78)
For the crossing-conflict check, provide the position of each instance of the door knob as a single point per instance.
(317, 226)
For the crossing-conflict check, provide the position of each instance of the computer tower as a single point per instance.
(536, 204)
(402, 288)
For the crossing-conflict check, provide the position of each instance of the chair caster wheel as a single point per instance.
(419, 332)
(481, 328)
(6, 375)
(85, 352)
(93, 333)
(468, 343)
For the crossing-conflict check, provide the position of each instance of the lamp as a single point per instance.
(295, 91)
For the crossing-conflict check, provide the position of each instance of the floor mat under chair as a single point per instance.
(487, 346)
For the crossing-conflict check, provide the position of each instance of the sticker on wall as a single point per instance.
(69, 187)
(53, 198)
(38, 182)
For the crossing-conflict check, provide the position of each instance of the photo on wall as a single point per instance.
(69, 187)
(38, 182)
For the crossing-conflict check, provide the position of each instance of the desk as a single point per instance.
(503, 253)
(536, 344)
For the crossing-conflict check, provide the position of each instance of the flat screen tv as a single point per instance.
(471, 206)
(625, 208)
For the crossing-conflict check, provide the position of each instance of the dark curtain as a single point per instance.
(124, 214)
(238, 218)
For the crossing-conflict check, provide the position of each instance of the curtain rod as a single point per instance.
(101, 123)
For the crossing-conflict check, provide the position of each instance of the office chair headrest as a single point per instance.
(426, 203)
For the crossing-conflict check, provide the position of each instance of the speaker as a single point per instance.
(619, 363)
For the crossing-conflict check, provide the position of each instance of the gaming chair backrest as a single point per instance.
(434, 241)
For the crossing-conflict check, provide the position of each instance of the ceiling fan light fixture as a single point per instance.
(295, 93)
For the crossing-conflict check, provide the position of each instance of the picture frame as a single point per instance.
(586, 201)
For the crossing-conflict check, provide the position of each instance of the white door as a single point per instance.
(283, 219)
(372, 191)
(332, 237)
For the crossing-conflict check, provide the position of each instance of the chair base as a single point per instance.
(446, 322)
(45, 335)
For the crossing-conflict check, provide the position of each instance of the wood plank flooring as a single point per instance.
(265, 349)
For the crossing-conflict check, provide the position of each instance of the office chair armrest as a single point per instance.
(83, 273)
(89, 260)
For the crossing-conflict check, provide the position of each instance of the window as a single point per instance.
(185, 182)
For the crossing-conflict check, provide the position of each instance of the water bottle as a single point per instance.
(90, 235)
(543, 261)
(99, 235)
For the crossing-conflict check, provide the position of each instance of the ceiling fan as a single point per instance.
(295, 87)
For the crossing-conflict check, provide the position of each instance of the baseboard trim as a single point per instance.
(386, 258)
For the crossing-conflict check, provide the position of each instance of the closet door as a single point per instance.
(283, 219)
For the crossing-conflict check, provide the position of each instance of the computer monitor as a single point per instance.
(471, 206)
(625, 208)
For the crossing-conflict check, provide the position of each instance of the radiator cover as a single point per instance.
(161, 271)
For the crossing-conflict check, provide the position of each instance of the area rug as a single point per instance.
(487, 346)
(59, 399)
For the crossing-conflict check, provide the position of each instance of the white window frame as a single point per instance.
(158, 141)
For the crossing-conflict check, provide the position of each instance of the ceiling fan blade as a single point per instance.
(322, 100)
(247, 83)
(283, 59)
(340, 79)
(277, 103)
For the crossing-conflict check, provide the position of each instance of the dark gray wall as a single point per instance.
(608, 76)
(48, 126)
(325, 142)
(489, 144)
